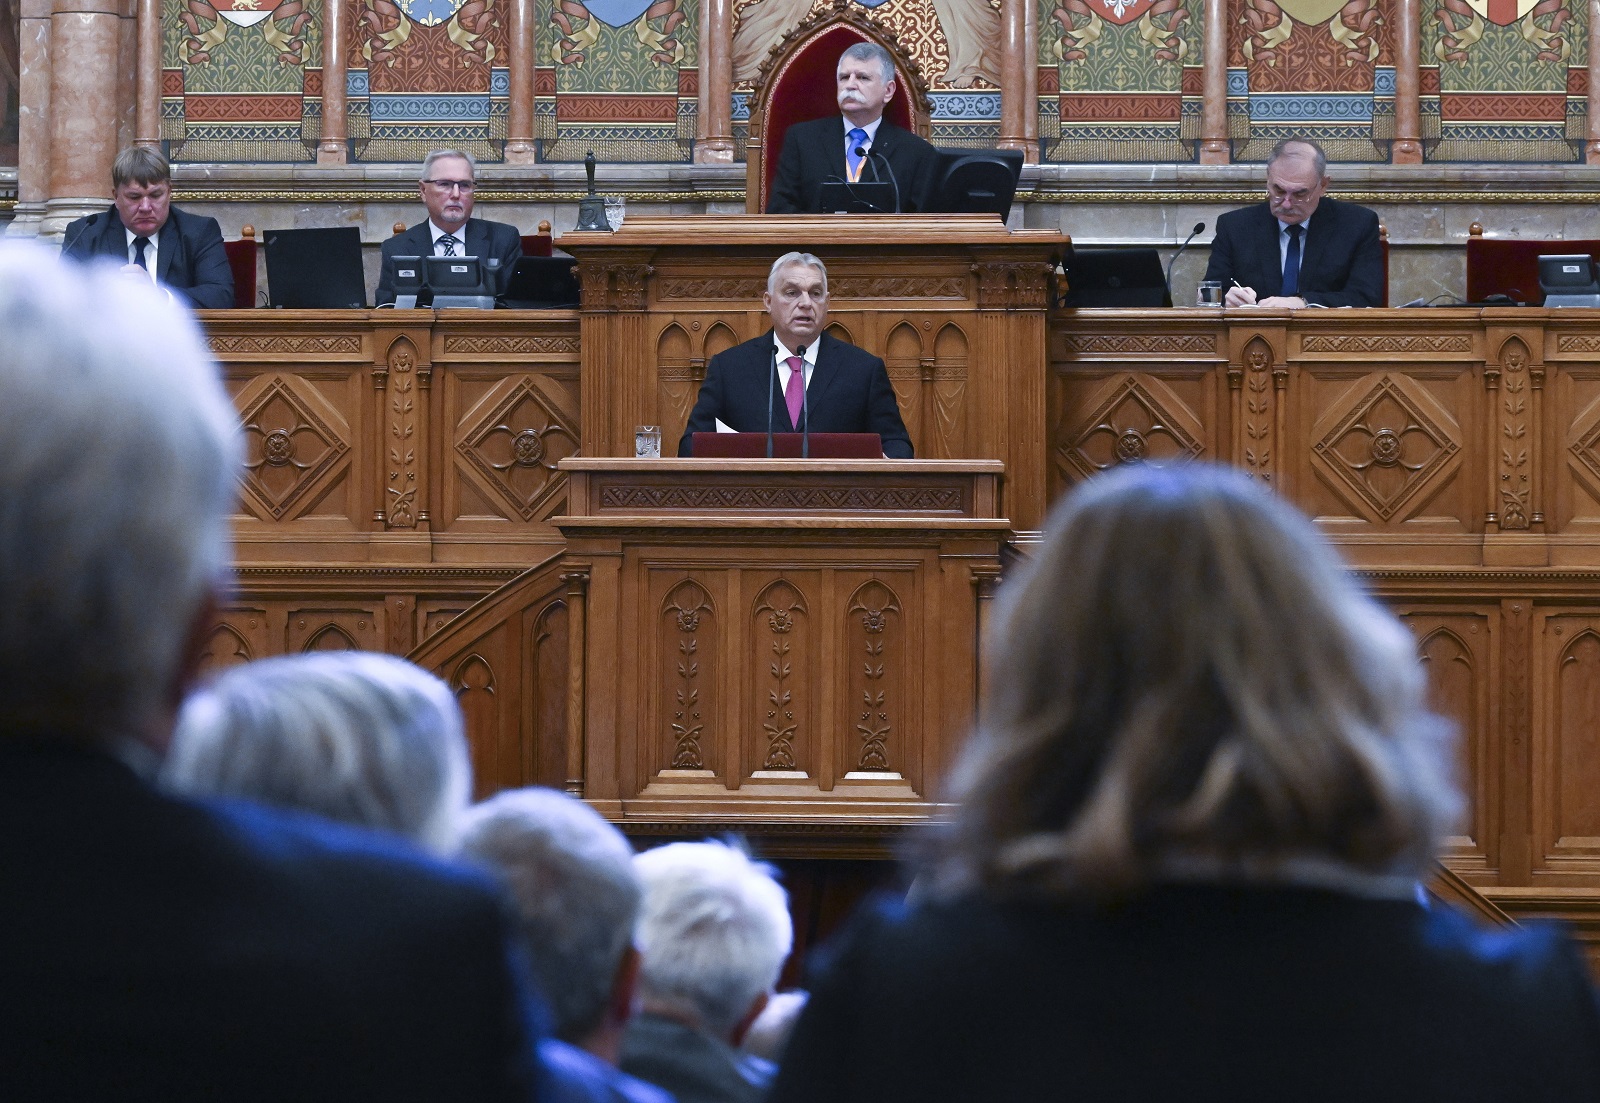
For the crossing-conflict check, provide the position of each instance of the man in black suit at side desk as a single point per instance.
(845, 389)
(449, 179)
(824, 149)
(151, 238)
(1298, 248)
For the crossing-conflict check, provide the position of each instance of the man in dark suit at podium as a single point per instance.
(1298, 248)
(825, 149)
(448, 184)
(151, 238)
(842, 389)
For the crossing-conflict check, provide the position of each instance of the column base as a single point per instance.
(59, 212)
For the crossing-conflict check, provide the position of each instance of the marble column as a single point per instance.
(714, 111)
(147, 76)
(334, 146)
(85, 109)
(1019, 80)
(1592, 147)
(33, 130)
(1407, 147)
(519, 112)
(1215, 149)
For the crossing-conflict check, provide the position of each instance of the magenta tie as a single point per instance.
(794, 392)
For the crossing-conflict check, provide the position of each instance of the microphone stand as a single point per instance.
(772, 377)
(1199, 227)
(862, 151)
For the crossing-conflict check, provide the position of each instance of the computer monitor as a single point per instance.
(1569, 280)
(1115, 277)
(542, 283)
(318, 269)
(856, 197)
(460, 282)
(976, 181)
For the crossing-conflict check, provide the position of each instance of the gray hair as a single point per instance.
(714, 931)
(1319, 159)
(1185, 679)
(355, 736)
(571, 876)
(795, 258)
(427, 162)
(118, 457)
(871, 51)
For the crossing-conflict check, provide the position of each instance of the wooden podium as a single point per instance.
(771, 640)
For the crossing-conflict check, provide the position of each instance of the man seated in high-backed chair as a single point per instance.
(447, 187)
(860, 145)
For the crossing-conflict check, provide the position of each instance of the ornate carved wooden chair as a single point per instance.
(242, 260)
(1510, 266)
(797, 83)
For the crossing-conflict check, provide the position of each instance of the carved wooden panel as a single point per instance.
(1574, 403)
(1459, 652)
(785, 679)
(1129, 417)
(243, 634)
(1566, 748)
(335, 628)
(686, 723)
(298, 438)
(882, 687)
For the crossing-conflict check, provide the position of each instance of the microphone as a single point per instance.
(772, 378)
(862, 151)
(77, 237)
(1199, 227)
(805, 408)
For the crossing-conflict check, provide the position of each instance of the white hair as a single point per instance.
(570, 874)
(354, 736)
(118, 457)
(441, 154)
(714, 932)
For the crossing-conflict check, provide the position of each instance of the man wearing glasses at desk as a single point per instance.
(447, 187)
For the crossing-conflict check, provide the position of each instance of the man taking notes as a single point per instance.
(1298, 248)
(840, 388)
(825, 149)
(447, 186)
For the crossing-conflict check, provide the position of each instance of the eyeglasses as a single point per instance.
(452, 185)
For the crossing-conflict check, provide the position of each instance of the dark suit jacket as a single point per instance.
(484, 239)
(1210, 993)
(190, 260)
(814, 152)
(1341, 261)
(849, 393)
(162, 949)
(576, 1076)
(694, 1067)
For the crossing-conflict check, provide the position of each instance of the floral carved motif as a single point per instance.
(508, 346)
(401, 489)
(290, 443)
(716, 287)
(1515, 476)
(687, 610)
(1386, 448)
(877, 612)
(780, 613)
(1257, 450)
(1141, 344)
(1130, 426)
(269, 343)
(1376, 342)
(516, 446)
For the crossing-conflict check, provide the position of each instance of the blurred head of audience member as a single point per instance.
(1185, 682)
(713, 935)
(353, 736)
(770, 1032)
(571, 876)
(118, 452)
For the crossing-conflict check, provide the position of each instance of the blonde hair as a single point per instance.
(1184, 677)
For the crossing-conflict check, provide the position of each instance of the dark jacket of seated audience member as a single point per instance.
(692, 1065)
(190, 259)
(1341, 260)
(849, 392)
(155, 948)
(578, 1076)
(813, 153)
(484, 239)
(1194, 993)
